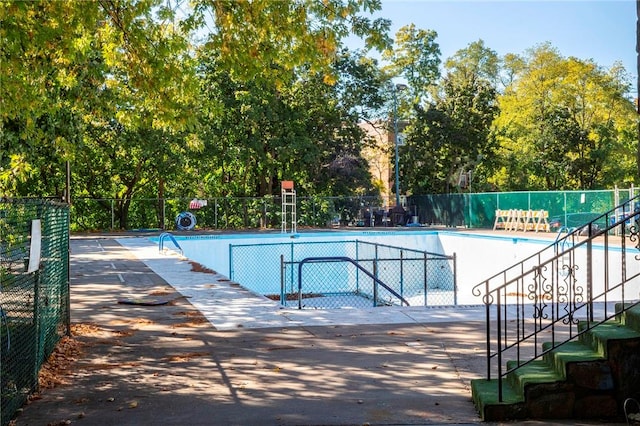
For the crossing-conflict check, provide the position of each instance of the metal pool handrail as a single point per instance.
(353, 262)
(173, 240)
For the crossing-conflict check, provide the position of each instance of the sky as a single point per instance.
(602, 30)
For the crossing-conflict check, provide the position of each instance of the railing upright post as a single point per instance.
(487, 323)
(499, 344)
(623, 255)
(606, 269)
(590, 273)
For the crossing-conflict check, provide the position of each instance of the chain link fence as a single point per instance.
(34, 294)
(344, 274)
(89, 214)
(471, 210)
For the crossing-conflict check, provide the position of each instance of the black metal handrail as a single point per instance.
(353, 262)
(551, 291)
(412, 273)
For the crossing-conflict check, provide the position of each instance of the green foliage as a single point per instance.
(112, 85)
(281, 36)
(452, 136)
(256, 135)
(416, 58)
(564, 124)
(154, 99)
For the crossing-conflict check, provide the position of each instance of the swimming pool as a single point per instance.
(478, 255)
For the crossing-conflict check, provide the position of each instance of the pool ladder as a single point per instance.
(173, 240)
(563, 247)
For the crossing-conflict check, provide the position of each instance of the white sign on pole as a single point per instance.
(36, 246)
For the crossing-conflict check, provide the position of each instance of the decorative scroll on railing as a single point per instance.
(578, 278)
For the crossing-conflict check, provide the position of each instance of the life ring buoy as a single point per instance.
(185, 221)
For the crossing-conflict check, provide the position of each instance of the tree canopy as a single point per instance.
(161, 98)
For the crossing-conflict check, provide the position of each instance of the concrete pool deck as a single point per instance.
(223, 356)
(229, 306)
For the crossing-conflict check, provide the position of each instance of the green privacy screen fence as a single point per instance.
(34, 293)
(477, 210)
(473, 210)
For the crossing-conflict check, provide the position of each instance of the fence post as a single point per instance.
(263, 223)
(164, 214)
(425, 278)
(375, 274)
(36, 325)
(231, 262)
(358, 270)
(313, 209)
(375, 293)
(215, 213)
(291, 259)
(282, 272)
(299, 281)
(455, 281)
(67, 278)
(401, 273)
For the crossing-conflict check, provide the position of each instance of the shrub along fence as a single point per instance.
(34, 294)
(471, 210)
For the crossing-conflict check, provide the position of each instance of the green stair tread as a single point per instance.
(485, 393)
(633, 307)
(574, 351)
(631, 317)
(535, 372)
(613, 330)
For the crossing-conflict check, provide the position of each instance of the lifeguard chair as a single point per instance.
(288, 205)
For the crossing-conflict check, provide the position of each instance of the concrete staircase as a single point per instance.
(589, 378)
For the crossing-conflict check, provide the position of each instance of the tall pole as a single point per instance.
(395, 142)
(396, 89)
(67, 184)
(638, 80)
